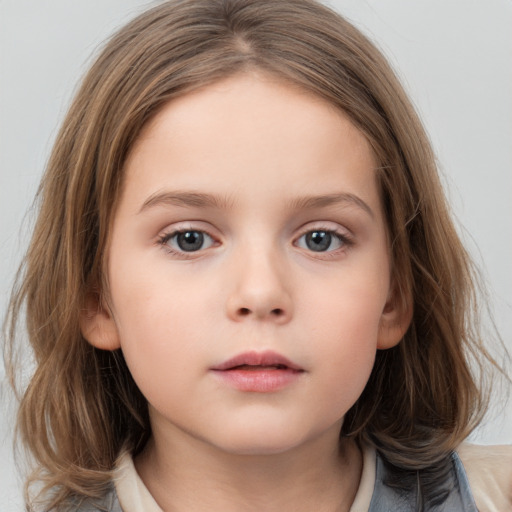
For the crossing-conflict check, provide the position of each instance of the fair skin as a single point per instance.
(249, 223)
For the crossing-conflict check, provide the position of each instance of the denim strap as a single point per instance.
(453, 494)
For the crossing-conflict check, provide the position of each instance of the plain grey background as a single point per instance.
(454, 57)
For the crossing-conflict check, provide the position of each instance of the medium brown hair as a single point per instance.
(81, 406)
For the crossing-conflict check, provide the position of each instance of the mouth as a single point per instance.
(258, 372)
(250, 361)
(256, 367)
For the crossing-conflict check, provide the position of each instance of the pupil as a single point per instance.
(318, 240)
(190, 241)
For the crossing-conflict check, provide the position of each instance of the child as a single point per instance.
(244, 291)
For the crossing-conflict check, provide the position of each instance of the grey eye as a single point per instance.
(190, 241)
(320, 241)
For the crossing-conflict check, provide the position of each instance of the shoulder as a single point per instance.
(489, 471)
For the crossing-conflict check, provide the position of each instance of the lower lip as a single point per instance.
(259, 381)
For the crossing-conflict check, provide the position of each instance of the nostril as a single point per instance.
(275, 313)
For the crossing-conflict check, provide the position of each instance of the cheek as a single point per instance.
(346, 311)
(158, 328)
(345, 322)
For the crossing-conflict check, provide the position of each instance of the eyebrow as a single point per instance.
(186, 199)
(201, 200)
(322, 201)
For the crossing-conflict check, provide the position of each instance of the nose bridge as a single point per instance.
(260, 287)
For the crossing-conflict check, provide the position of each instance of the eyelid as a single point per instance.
(188, 225)
(331, 227)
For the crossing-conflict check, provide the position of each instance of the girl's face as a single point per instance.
(248, 268)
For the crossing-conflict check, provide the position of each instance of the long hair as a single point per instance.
(81, 406)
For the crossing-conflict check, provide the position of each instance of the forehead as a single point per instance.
(250, 95)
(251, 129)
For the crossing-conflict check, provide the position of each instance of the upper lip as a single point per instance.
(267, 358)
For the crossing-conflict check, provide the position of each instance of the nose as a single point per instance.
(259, 290)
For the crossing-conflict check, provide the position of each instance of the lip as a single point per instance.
(260, 372)
(253, 358)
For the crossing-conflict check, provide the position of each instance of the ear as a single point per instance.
(395, 320)
(97, 323)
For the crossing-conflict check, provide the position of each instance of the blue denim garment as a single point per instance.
(453, 493)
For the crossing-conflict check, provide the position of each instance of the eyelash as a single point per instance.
(344, 239)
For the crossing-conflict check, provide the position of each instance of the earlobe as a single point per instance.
(396, 319)
(97, 324)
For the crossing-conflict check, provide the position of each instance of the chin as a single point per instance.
(258, 448)
(253, 442)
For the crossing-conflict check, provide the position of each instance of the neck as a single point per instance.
(322, 475)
